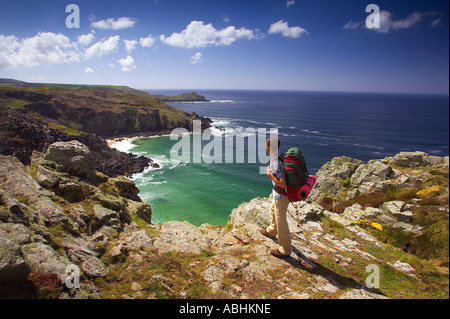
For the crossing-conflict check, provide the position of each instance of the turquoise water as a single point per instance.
(196, 192)
(323, 124)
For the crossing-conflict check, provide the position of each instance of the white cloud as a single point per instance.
(85, 39)
(352, 25)
(88, 70)
(226, 18)
(45, 48)
(409, 22)
(200, 35)
(435, 22)
(111, 24)
(196, 58)
(102, 47)
(283, 28)
(290, 3)
(130, 45)
(147, 42)
(127, 63)
(388, 23)
(111, 65)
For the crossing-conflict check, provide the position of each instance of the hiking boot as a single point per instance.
(278, 254)
(264, 232)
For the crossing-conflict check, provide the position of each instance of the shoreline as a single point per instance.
(112, 140)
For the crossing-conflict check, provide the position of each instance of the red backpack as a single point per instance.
(299, 182)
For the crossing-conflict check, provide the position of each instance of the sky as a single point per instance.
(323, 45)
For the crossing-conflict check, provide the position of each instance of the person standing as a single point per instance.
(278, 226)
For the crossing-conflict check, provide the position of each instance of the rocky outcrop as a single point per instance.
(32, 118)
(343, 178)
(60, 212)
(406, 195)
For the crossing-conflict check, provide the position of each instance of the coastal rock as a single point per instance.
(86, 114)
(396, 208)
(126, 188)
(141, 210)
(79, 253)
(46, 178)
(13, 268)
(43, 258)
(72, 191)
(71, 157)
(180, 236)
(108, 234)
(331, 176)
(106, 217)
(371, 172)
(139, 240)
(416, 159)
(393, 207)
(357, 212)
(405, 267)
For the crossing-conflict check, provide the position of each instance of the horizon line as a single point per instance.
(241, 89)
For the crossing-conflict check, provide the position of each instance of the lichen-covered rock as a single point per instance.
(13, 268)
(44, 259)
(140, 209)
(180, 236)
(127, 188)
(71, 157)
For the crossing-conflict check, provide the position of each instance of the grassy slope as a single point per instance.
(95, 97)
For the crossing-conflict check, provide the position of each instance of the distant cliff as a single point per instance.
(32, 116)
(184, 97)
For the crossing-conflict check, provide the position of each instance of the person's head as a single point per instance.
(272, 146)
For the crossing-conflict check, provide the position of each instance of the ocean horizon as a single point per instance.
(323, 125)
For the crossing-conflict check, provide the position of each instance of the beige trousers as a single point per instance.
(278, 224)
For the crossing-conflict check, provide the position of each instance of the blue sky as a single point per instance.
(230, 44)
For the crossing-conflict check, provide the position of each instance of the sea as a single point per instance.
(201, 178)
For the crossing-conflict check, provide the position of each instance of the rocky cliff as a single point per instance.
(59, 212)
(33, 116)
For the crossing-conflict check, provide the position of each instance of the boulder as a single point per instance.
(44, 259)
(71, 157)
(409, 159)
(373, 171)
(330, 177)
(139, 240)
(71, 190)
(127, 188)
(357, 212)
(46, 178)
(141, 210)
(13, 268)
(80, 253)
(106, 217)
(181, 237)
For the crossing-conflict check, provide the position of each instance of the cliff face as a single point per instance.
(59, 212)
(34, 116)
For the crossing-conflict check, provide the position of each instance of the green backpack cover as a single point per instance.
(295, 167)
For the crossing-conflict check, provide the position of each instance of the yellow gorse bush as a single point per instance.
(369, 223)
(427, 191)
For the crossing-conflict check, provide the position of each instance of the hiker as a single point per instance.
(278, 225)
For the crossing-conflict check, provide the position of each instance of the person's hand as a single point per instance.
(268, 170)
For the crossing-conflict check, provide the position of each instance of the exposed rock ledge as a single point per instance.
(59, 211)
